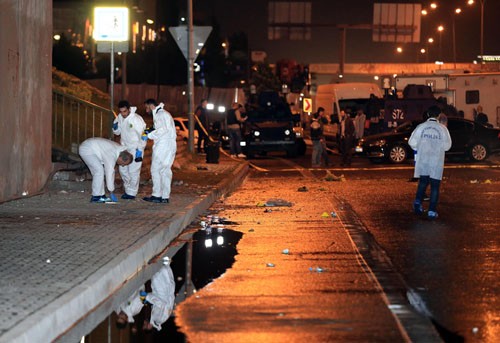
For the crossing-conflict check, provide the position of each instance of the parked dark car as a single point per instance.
(469, 139)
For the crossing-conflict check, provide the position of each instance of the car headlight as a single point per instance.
(298, 131)
(256, 133)
(287, 132)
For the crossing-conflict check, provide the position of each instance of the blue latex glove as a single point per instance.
(115, 125)
(138, 155)
(113, 197)
(142, 296)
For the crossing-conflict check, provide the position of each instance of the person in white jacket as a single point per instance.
(129, 126)
(430, 140)
(129, 309)
(101, 155)
(162, 297)
(164, 148)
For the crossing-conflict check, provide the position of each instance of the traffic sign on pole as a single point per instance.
(180, 34)
(307, 105)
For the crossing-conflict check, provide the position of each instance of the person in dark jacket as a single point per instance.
(201, 113)
(317, 138)
(481, 117)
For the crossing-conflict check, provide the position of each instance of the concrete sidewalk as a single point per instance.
(67, 263)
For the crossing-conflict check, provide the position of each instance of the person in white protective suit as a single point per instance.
(430, 140)
(130, 126)
(162, 297)
(128, 310)
(164, 136)
(101, 155)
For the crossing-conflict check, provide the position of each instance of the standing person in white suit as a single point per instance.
(101, 155)
(162, 297)
(430, 140)
(164, 148)
(130, 126)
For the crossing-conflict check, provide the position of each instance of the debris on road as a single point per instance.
(474, 181)
(270, 264)
(303, 189)
(286, 251)
(332, 177)
(325, 215)
(277, 203)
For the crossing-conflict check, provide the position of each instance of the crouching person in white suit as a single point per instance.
(128, 310)
(101, 155)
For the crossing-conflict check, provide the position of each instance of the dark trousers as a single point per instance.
(346, 145)
(422, 187)
(202, 139)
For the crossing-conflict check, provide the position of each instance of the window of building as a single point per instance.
(472, 97)
(289, 20)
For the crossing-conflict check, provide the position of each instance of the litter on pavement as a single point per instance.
(277, 203)
(332, 177)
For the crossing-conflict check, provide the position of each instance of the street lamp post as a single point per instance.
(481, 2)
(457, 11)
(430, 40)
(440, 30)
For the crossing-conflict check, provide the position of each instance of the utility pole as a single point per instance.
(190, 76)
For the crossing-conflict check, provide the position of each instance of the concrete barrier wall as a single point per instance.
(25, 96)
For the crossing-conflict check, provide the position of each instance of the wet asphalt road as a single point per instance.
(450, 265)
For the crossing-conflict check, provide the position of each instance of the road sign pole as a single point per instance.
(190, 76)
(112, 77)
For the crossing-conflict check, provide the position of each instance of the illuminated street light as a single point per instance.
(57, 37)
(399, 49)
(423, 51)
(433, 5)
(424, 12)
(150, 21)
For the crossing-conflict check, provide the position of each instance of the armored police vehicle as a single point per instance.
(270, 126)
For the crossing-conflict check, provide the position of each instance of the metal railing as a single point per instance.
(75, 119)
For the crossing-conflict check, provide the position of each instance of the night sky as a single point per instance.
(251, 17)
(360, 47)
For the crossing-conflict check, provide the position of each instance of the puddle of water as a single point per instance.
(213, 253)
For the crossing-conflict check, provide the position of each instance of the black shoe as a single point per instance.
(156, 200)
(165, 200)
(127, 196)
(98, 198)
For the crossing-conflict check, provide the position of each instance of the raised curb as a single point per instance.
(72, 315)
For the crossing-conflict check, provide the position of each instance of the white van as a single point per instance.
(343, 96)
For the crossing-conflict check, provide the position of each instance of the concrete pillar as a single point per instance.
(25, 96)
